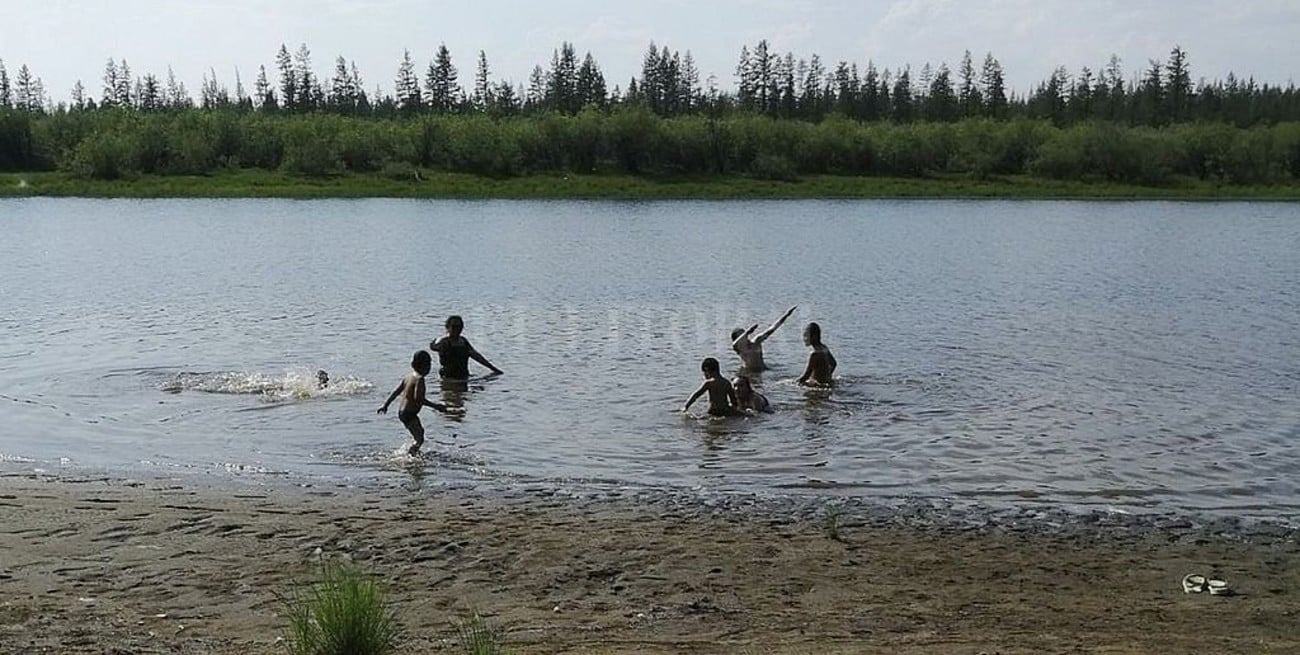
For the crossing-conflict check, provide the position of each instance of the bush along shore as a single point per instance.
(632, 153)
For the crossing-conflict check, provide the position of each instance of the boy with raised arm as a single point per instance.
(751, 349)
(722, 397)
(411, 389)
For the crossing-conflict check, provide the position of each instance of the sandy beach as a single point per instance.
(111, 566)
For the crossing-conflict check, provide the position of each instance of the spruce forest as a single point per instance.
(780, 118)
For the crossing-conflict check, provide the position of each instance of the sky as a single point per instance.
(63, 41)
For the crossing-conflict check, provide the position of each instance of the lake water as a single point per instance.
(1107, 354)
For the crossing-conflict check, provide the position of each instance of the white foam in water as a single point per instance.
(295, 384)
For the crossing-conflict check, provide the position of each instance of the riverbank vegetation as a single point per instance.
(790, 128)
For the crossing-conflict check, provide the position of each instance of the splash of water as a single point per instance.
(295, 384)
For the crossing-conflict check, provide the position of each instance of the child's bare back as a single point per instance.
(412, 391)
(722, 396)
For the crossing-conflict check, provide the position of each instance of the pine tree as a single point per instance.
(690, 83)
(873, 108)
(407, 86)
(288, 81)
(150, 95)
(562, 80)
(746, 90)
(591, 84)
(482, 98)
(1109, 92)
(902, 97)
(265, 94)
(1082, 96)
(1150, 97)
(810, 100)
(241, 96)
(342, 98)
(1048, 100)
(972, 103)
(995, 96)
(789, 94)
(845, 96)
(109, 98)
(764, 81)
(122, 94)
(505, 100)
(359, 90)
(308, 94)
(441, 90)
(942, 104)
(535, 98)
(25, 96)
(78, 96)
(6, 92)
(1178, 86)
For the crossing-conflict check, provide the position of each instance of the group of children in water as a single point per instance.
(726, 397)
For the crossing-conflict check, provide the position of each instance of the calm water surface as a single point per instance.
(1134, 355)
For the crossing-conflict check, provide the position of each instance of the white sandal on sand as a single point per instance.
(1218, 587)
(1194, 584)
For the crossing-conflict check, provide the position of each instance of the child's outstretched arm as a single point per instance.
(438, 406)
(695, 396)
(474, 354)
(762, 336)
(744, 335)
(396, 392)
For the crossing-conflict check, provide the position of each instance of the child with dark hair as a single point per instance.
(454, 352)
(750, 348)
(749, 399)
(722, 397)
(411, 389)
(821, 363)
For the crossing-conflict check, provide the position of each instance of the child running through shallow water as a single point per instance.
(411, 389)
(722, 397)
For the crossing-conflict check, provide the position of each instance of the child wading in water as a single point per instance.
(821, 363)
(722, 397)
(747, 398)
(411, 389)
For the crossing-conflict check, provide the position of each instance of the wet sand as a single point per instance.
(105, 566)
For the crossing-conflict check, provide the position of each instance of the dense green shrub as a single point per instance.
(773, 167)
(104, 156)
(113, 143)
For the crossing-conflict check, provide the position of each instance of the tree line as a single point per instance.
(784, 118)
(766, 82)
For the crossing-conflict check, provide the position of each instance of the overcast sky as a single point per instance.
(62, 41)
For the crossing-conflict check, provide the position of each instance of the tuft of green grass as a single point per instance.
(345, 613)
(831, 526)
(479, 638)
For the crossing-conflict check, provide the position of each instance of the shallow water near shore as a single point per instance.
(1134, 356)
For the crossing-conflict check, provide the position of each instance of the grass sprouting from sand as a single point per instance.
(479, 638)
(345, 613)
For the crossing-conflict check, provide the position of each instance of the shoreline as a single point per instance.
(156, 566)
(246, 183)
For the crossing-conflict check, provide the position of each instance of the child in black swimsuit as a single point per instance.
(454, 352)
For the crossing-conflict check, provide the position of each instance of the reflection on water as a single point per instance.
(1121, 354)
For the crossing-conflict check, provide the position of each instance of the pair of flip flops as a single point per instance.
(1194, 584)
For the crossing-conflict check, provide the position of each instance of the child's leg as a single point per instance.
(416, 428)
